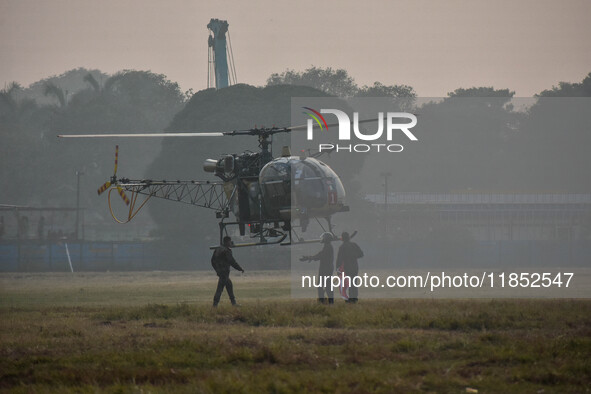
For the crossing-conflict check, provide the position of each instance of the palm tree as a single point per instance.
(52, 90)
(93, 82)
(8, 95)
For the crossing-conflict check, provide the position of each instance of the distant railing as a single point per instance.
(479, 198)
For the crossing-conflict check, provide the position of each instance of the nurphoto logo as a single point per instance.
(344, 127)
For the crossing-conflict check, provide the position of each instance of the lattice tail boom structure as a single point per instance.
(203, 194)
(200, 193)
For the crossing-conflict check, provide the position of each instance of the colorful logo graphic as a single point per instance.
(315, 115)
(348, 130)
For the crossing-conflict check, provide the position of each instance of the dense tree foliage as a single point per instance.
(380, 90)
(23, 145)
(338, 82)
(481, 92)
(70, 82)
(333, 82)
(481, 139)
(566, 89)
(38, 169)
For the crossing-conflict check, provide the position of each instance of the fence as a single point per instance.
(31, 256)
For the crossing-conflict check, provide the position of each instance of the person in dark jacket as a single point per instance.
(347, 257)
(221, 261)
(325, 268)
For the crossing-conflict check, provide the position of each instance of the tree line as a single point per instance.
(38, 169)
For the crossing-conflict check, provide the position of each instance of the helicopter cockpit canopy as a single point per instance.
(300, 185)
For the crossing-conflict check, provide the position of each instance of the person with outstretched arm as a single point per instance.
(325, 268)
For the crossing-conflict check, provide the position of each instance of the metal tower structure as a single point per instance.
(220, 55)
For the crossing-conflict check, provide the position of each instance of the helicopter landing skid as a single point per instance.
(265, 235)
(310, 241)
(242, 245)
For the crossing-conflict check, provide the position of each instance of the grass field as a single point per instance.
(157, 332)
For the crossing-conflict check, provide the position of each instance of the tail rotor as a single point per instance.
(123, 195)
(113, 181)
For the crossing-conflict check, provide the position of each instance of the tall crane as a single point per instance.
(220, 55)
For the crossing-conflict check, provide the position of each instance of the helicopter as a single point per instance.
(272, 196)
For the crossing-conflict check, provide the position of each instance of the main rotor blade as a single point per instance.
(156, 135)
(254, 131)
(305, 126)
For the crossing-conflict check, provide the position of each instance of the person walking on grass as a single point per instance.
(221, 261)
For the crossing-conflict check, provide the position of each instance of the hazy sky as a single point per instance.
(435, 46)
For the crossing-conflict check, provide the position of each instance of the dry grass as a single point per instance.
(156, 332)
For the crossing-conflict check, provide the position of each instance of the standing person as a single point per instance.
(325, 268)
(221, 261)
(347, 256)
